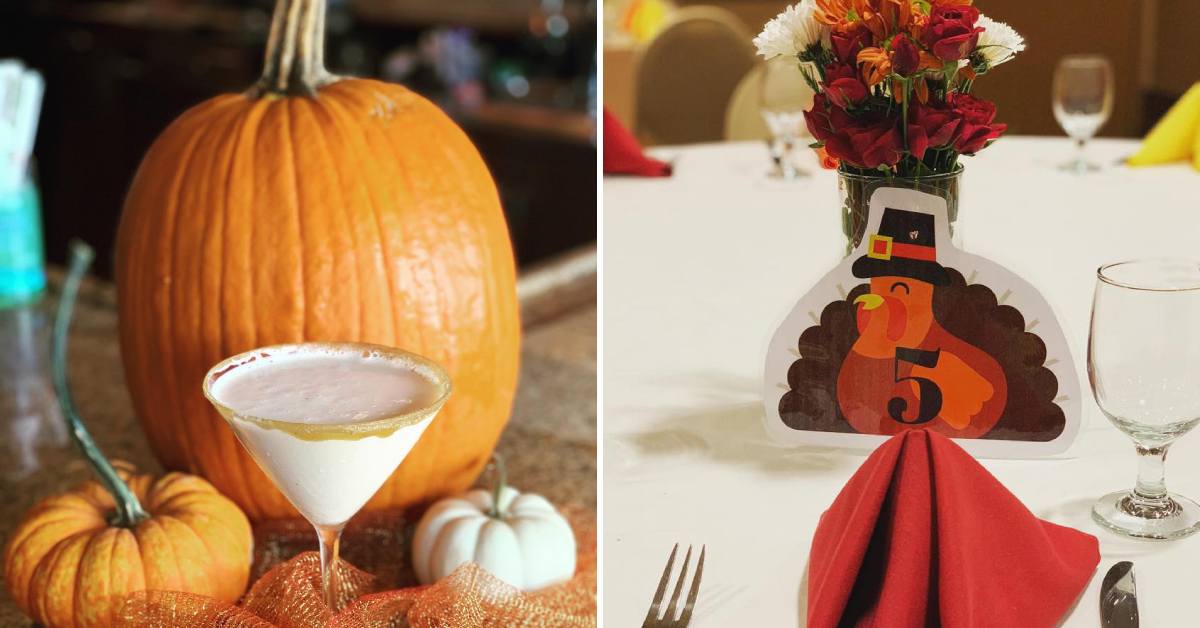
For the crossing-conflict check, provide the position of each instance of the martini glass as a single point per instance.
(328, 423)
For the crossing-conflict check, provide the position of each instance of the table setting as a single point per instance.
(291, 407)
(901, 386)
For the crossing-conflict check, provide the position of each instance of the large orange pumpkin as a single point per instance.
(315, 208)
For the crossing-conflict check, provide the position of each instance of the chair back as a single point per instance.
(686, 75)
(743, 120)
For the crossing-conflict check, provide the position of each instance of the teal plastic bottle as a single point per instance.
(22, 258)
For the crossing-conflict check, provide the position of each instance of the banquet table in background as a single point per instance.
(699, 270)
(549, 446)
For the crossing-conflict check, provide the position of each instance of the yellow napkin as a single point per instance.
(1176, 137)
(644, 18)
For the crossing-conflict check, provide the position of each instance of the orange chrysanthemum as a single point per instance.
(828, 162)
(877, 64)
(835, 13)
(882, 17)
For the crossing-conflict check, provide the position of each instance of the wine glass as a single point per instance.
(782, 98)
(1144, 367)
(1083, 95)
(328, 423)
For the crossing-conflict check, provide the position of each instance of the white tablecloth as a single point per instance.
(699, 268)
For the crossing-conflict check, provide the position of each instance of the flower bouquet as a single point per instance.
(893, 83)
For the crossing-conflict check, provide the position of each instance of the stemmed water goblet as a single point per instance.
(783, 96)
(1083, 97)
(1144, 367)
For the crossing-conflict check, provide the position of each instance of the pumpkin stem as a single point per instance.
(129, 509)
(295, 60)
(501, 480)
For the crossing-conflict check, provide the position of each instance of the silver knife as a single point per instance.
(1118, 597)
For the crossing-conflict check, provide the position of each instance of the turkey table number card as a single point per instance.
(910, 332)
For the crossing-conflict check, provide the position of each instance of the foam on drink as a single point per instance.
(323, 387)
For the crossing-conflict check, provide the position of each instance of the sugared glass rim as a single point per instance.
(1113, 281)
(430, 370)
(958, 170)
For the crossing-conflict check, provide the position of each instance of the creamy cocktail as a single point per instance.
(328, 423)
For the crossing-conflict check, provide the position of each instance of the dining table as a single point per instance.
(701, 267)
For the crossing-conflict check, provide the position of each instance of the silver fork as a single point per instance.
(655, 617)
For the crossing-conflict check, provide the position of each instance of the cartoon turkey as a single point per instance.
(905, 369)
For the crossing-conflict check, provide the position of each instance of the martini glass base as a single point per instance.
(1122, 514)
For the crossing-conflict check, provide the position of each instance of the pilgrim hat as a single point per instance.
(904, 247)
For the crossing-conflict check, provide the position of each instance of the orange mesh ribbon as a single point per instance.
(289, 596)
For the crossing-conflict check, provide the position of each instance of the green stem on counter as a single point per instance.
(129, 510)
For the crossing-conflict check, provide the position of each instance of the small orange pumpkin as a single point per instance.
(315, 208)
(76, 556)
(67, 565)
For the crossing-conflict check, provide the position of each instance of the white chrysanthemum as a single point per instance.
(998, 42)
(791, 32)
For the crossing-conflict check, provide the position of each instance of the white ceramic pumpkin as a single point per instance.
(519, 538)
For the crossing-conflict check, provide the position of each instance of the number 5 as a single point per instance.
(929, 393)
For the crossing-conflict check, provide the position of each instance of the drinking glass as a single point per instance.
(328, 467)
(1083, 95)
(1144, 367)
(782, 98)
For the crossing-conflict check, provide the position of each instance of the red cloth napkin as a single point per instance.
(623, 154)
(922, 535)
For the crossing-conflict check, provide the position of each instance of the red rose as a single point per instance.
(918, 142)
(976, 128)
(951, 33)
(873, 145)
(847, 44)
(972, 139)
(817, 118)
(930, 126)
(844, 86)
(866, 141)
(905, 57)
(972, 109)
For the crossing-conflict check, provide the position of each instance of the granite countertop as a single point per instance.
(549, 445)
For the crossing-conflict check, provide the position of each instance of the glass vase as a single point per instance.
(855, 191)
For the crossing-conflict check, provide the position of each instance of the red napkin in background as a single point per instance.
(923, 535)
(623, 154)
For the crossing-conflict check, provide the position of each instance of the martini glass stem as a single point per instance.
(329, 537)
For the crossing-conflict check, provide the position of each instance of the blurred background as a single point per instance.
(1151, 44)
(517, 75)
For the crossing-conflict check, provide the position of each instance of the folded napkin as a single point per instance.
(923, 535)
(623, 154)
(1176, 137)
